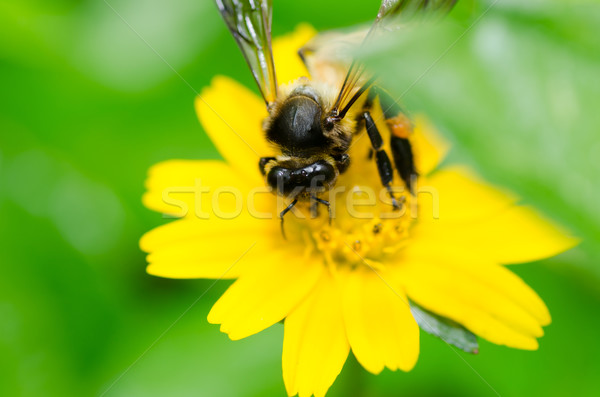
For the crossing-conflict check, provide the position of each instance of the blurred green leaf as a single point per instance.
(515, 86)
(445, 329)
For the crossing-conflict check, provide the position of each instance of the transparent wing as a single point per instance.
(392, 15)
(328, 55)
(250, 24)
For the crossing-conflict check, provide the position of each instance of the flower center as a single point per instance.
(356, 239)
(369, 242)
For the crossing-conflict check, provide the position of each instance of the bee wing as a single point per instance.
(328, 55)
(392, 15)
(250, 24)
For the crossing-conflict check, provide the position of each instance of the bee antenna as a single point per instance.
(282, 214)
(357, 95)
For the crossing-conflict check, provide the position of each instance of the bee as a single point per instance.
(312, 122)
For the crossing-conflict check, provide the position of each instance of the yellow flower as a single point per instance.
(344, 286)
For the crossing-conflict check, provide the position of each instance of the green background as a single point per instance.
(87, 105)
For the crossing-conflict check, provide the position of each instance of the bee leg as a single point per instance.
(384, 165)
(342, 162)
(400, 127)
(314, 211)
(371, 154)
(282, 214)
(404, 161)
(263, 162)
(325, 203)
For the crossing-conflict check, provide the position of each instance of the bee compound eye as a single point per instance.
(319, 174)
(279, 179)
(313, 177)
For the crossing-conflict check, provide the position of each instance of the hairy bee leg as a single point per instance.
(263, 162)
(325, 203)
(282, 214)
(400, 127)
(384, 165)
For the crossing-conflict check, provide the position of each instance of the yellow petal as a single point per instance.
(381, 329)
(288, 64)
(193, 248)
(522, 235)
(486, 298)
(455, 194)
(429, 146)
(192, 188)
(484, 272)
(264, 296)
(516, 235)
(232, 116)
(315, 345)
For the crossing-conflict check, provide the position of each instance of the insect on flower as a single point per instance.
(312, 122)
(368, 282)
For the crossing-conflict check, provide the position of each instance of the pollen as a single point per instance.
(352, 243)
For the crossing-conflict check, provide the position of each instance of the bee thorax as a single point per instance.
(296, 126)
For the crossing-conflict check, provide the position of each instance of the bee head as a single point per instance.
(296, 124)
(289, 179)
